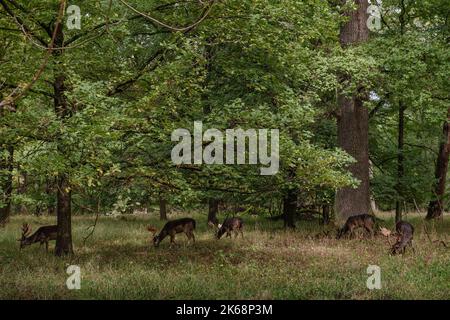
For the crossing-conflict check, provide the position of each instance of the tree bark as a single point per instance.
(7, 165)
(213, 209)
(64, 217)
(400, 158)
(352, 125)
(325, 214)
(436, 207)
(63, 193)
(162, 208)
(289, 209)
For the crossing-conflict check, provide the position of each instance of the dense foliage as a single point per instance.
(130, 81)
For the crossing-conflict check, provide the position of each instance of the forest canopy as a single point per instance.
(86, 114)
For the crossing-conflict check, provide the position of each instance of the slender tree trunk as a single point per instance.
(353, 125)
(400, 158)
(7, 166)
(213, 209)
(49, 192)
(325, 214)
(162, 208)
(63, 192)
(290, 208)
(436, 207)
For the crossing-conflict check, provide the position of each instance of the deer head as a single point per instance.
(26, 230)
(156, 238)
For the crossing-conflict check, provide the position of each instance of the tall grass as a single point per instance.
(118, 262)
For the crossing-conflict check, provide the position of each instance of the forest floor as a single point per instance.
(118, 262)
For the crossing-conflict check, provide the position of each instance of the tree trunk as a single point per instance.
(213, 209)
(289, 209)
(63, 192)
(64, 217)
(435, 207)
(162, 208)
(325, 214)
(400, 158)
(49, 191)
(7, 166)
(352, 125)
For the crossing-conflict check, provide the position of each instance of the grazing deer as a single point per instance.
(405, 232)
(365, 221)
(171, 228)
(42, 235)
(230, 224)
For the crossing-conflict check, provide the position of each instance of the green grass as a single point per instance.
(118, 262)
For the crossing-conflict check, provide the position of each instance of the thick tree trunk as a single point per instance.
(289, 209)
(213, 209)
(352, 125)
(400, 158)
(6, 168)
(63, 192)
(64, 216)
(435, 207)
(162, 208)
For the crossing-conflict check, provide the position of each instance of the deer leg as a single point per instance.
(242, 233)
(412, 246)
(193, 237)
(172, 239)
(46, 246)
(370, 231)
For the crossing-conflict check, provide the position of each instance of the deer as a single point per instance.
(229, 225)
(171, 228)
(365, 221)
(43, 235)
(405, 232)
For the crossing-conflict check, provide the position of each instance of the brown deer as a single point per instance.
(171, 228)
(43, 235)
(234, 224)
(405, 232)
(365, 221)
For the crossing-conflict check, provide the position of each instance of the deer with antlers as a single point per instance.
(229, 225)
(404, 232)
(171, 228)
(43, 235)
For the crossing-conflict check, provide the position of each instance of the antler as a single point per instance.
(151, 229)
(213, 225)
(387, 233)
(26, 229)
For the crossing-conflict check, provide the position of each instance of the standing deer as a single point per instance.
(405, 232)
(43, 235)
(171, 228)
(234, 224)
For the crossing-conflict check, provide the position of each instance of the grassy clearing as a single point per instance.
(118, 262)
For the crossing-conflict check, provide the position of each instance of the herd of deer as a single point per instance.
(404, 231)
